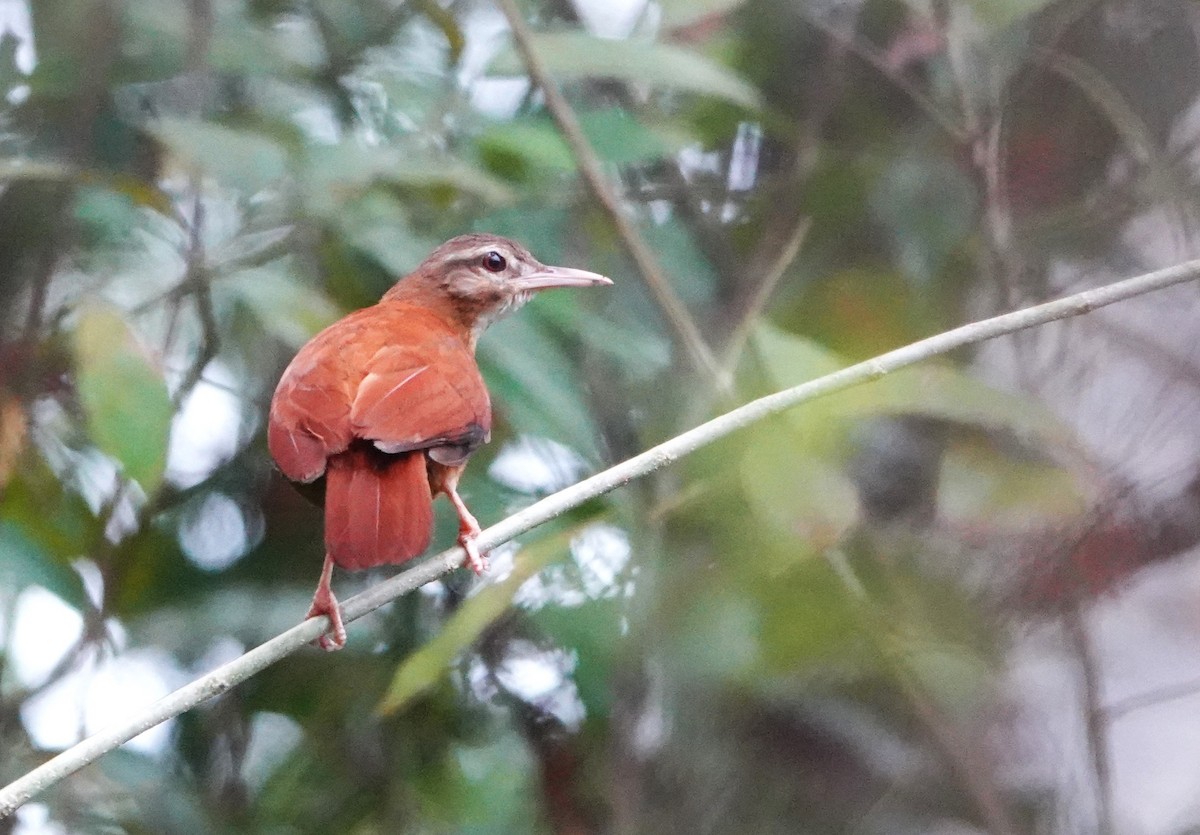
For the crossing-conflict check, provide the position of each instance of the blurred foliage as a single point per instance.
(801, 629)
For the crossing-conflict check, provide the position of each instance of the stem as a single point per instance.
(1095, 717)
(261, 657)
(590, 168)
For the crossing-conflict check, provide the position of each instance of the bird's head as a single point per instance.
(485, 276)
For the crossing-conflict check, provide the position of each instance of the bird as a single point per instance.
(379, 412)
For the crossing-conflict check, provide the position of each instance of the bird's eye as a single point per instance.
(494, 262)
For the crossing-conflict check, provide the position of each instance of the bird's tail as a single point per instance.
(378, 508)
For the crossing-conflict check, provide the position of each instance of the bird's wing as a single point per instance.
(310, 412)
(397, 376)
(422, 396)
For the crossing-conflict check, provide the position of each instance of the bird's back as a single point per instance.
(394, 373)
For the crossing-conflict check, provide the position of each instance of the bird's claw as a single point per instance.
(476, 559)
(328, 606)
(331, 643)
(468, 534)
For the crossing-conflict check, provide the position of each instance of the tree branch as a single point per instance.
(261, 657)
(1094, 715)
(668, 301)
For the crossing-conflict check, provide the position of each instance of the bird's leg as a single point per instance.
(468, 529)
(324, 603)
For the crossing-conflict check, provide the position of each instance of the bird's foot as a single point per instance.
(324, 603)
(476, 558)
(468, 529)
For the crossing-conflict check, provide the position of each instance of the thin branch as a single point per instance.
(1094, 715)
(762, 293)
(1154, 698)
(960, 753)
(873, 59)
(197, 277)
(668, 301)
(261, 657)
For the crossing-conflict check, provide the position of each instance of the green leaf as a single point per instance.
(425, 667)
(952, 674)
(592, 633)
(494, 788)
(805, 497)
(287, 308)
(534, 380)
(981, 483)
(241, 159)
(23, 562)
(691, 272)
(124, 397)
(523, 146)
(929, 208)
(807, 618)
(933, 389)
(517, 148)
(641, 352)
(33, 497)
(574, 55)
(341, 173)
(378, 226)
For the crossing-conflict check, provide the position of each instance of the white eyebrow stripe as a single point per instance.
(482, 250)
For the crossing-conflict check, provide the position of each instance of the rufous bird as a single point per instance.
(379, 412)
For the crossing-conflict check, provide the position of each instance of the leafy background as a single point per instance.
(961, 599)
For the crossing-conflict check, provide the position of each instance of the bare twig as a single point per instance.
(668, 301)
(762, 293)
(259, 658)
(960, 754)
(1181, 690)
(872, 58)
(1094, 715)
(41, 287)
(197, 278)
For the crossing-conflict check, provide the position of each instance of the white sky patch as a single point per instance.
(653, 724)
(498, 97)
(486, 34)
(743, 159)
(695, 160)
(273, 737)
(223, 650)
(207, 431)
(602, 552)
(660, 211)
(34, 819)
(536, 465)
(318, 123)
(14, 21)
(543, 678)
(102, 693)
(610, 18)
(93, 580)
(92, 473)
(44, 629)
(599, 557)
(214, 535)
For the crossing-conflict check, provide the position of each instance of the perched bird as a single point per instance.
(379, 412)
